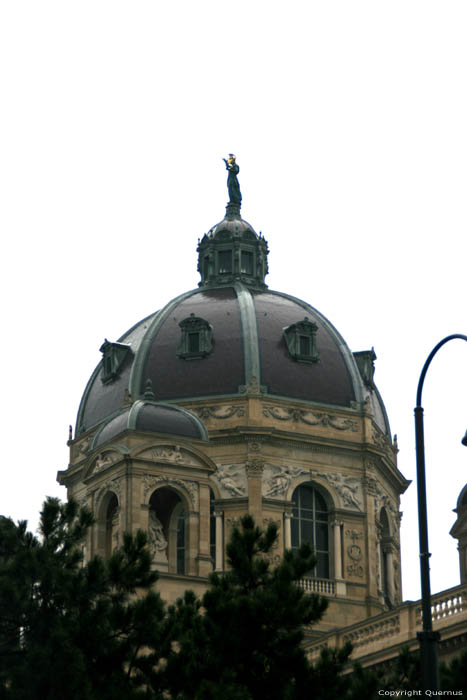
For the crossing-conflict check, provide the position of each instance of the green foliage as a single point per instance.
(454, 675)
(99, 631)
(73, 631)
(243, 639)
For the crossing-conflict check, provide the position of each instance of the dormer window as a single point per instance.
(301, 341)
(114, 355)
(196, 339)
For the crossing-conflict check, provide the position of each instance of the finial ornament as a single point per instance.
(233, 187)
(149, 393)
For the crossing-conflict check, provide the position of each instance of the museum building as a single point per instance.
(236, 399)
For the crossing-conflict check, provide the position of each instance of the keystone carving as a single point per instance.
(114, 485)
(151, 482)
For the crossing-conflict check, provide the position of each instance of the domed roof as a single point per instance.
(149, 416)
(228, 336)
(237, 335)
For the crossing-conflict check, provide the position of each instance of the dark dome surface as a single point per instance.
(246, 328)
(148, 416)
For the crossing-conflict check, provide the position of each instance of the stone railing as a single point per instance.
(397, 627)
(445, 604)
(323, 586)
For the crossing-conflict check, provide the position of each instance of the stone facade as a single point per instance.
(259, 452)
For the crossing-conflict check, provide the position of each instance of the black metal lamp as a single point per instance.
(428, 638)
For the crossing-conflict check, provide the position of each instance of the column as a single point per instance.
(287, 530)
(337, 549)
(204, 555)
(390, 573)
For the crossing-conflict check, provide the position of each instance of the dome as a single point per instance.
(229, 335)
(149, 416)
(238, 335)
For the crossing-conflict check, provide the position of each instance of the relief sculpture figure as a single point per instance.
(157, 539)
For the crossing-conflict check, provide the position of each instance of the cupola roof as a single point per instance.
(230, 336)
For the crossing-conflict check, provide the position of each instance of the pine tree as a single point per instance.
(89, 632)
(243, 640)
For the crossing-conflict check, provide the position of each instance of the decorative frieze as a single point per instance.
(219, 412)
(298, 415)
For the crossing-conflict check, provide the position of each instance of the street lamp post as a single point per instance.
(428, 638)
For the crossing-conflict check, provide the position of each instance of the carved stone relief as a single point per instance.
(298, 415)
(255, 466)
(152, 482)
(355, 553)
(220, 412)
(84, 446)
(104, 460)
(349, 489)
(379, 438)
(253, 387)
(157, 541)
(114, 485)
(231, 479)
(277, 480)
(170, 453)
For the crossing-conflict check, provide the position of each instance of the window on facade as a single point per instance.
(206, 267)
(301, 341)
(193, 342)
(304, 345)
(225, 262)
(168, 531)
(247, 262)
(196, 338)
(310, 523)
(114, 355)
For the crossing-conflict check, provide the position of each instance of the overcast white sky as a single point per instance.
(348, 120)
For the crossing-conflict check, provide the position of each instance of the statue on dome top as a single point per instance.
(235, 196)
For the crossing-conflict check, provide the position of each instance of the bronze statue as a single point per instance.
(235, 196)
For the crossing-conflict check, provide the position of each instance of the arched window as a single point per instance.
(310, 523)
(168, 531)
(107, 525)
